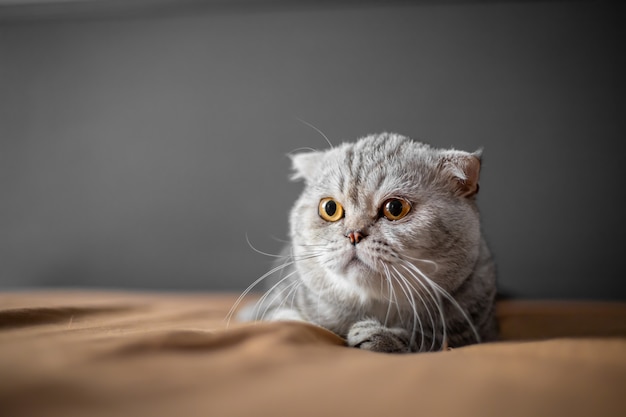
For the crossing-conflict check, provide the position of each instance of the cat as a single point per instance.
(386, 248)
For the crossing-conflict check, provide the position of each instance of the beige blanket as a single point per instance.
(147, 354)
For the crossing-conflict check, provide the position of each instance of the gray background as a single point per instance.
(139, 145)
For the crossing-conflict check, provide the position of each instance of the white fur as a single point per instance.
(401, 275)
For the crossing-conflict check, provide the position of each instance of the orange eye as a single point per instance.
(330, 210)
(396, 208)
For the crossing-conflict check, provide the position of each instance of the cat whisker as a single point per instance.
(291, 256)
(451, 299)
(390, 291)
(416, 314)
(289, 260)
(232, 310)
(261, 252)
(317, 252)
(295, 292)
(434, 302)
(302, 148)
(278, 239)
(411, 300)
(393, 293)
(435, 297)
(426, 261)
(262, 300)
(317, 307)
(291, 294)
(304, 245)
(326, 239)
(307, 256)
(279, 256)
(385, 279)
(317, 130)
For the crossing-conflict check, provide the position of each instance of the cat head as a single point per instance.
(384, 206)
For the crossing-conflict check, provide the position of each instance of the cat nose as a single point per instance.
(356, 236)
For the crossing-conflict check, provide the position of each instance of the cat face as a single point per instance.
(384, 207)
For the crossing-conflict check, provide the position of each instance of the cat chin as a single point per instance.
(355, 284)
(359, 274)
(351, 256)
(355, 263)
(358, 269)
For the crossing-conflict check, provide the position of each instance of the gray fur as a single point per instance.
(415, 284)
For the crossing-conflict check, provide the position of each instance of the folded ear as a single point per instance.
(462, 170)
(304, 164)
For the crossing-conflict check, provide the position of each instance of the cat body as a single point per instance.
(386, 248)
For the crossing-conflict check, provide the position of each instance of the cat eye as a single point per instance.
(330, 210)
(396, 208)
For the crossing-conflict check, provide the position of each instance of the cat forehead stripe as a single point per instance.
(414, 278)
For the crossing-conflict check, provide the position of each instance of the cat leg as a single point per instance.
(372, 335)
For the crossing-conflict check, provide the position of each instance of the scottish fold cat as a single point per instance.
(386, 248)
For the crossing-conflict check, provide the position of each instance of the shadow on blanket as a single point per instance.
(126, 354)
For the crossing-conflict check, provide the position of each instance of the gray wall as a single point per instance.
(139, 149)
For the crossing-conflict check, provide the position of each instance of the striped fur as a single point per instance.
(420, 283)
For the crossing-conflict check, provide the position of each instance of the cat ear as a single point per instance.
(462, 170)
(304, 164)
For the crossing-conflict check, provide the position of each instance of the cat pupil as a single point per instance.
(330, 208)
(395, 207)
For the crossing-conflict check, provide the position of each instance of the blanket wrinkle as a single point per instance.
(292, 333)
(33, 316)
(109, 354)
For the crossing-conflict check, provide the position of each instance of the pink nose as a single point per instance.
(356, 236)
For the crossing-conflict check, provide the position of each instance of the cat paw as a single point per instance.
(372, 335)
